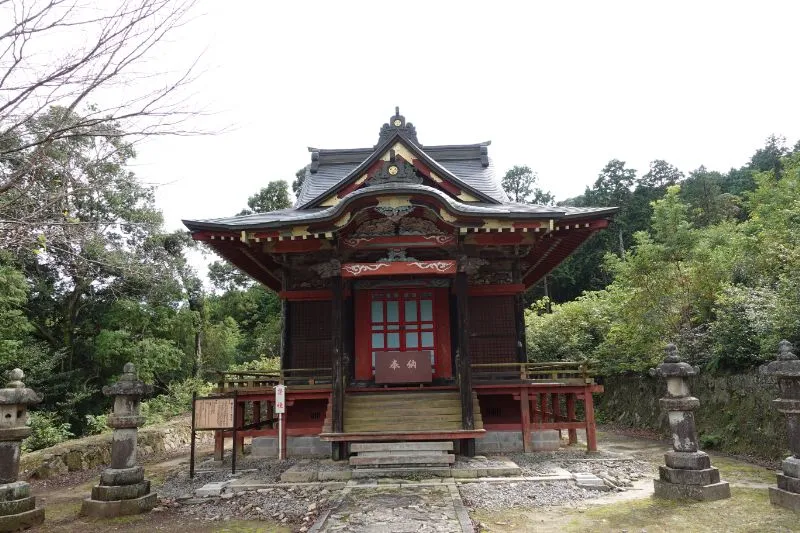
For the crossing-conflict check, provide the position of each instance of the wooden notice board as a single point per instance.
(213, 413)
(403, 367)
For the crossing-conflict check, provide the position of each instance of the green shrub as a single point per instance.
(48, 429)
(96, 424)
(177, 400)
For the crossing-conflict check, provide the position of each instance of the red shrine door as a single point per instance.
(402, 320)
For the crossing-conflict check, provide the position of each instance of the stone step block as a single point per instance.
(676, 491)
(589, 481)
(111, 509)
(791, 466)
(439, 459)
(788, 483)
(24, 520)
(17, 506)
(784, 498)
(422, 445)
(14, 491)
(687, 460)
(122, 476)
(107, 493)
(401, 453)
(370, 473)
(707, 476)
(212, 489)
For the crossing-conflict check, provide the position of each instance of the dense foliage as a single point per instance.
(716, 269)
(106, 284)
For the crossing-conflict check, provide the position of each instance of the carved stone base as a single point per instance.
(706, 476)
(784, 498)
(23, 520)
(678, 491)
(18, 508)
(100, 509)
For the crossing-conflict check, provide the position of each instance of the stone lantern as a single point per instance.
(123, 489)
(787, 369)
(17, 506)
(688, 473)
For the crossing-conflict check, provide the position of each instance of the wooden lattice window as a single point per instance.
(310, 332)
(493, 336)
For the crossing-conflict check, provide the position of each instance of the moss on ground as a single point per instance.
(748, 510)
(736, 471)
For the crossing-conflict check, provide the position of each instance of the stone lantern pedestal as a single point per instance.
(123, 489)
(688, 473)
(17, 506)
(787, 369)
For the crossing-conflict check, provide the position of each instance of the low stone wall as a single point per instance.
(296, 446)
(88, 452)
(511, 442)
(735, 416)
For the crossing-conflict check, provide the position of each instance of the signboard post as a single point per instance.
(214, 413)
(280, 408)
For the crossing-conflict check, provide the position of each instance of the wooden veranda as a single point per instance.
(544, 396)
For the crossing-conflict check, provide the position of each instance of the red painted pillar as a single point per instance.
(573, 433)
(556, 406)
(524, 404)
(591, 432)
(257, 413)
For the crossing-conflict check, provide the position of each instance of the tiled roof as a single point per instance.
(294, 215)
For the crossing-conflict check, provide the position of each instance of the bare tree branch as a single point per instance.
(111, 44)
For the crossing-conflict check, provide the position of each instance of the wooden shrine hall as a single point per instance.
(401, 269)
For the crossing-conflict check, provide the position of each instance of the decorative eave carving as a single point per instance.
(396, 170)
(328, 269)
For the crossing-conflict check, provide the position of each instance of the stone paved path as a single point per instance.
(399, 510)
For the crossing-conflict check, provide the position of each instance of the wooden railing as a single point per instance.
(294, 377)
(567, 372)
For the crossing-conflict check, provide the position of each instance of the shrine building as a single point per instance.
(401, 270)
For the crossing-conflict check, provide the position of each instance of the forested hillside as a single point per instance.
(709, 261)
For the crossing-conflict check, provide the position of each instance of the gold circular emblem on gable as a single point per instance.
(393, 170)
(397, 122)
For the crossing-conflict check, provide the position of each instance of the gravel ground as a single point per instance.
(295, 506)
(496, 496)
(178, 484)
(479, 461)
(617, 471)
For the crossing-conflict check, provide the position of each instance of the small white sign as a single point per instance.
(280, 399)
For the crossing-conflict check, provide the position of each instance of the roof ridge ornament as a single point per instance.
(397, 124)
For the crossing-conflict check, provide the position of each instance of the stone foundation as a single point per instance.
(674, 491)
(18, 508)
(310, 446)
(511, 442)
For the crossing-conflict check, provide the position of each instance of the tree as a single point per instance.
(520, 185)
(47, 101)
(299, 179)
(270, 198)
(661, 174)
(769, 157)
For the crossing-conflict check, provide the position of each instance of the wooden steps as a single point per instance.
(398, 413)
(394, 454)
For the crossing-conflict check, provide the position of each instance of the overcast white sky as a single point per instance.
(560, 86)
